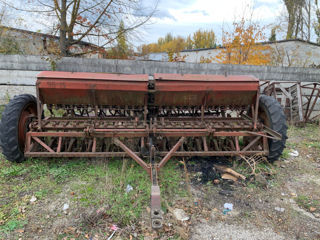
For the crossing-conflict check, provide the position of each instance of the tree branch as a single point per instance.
(97, 20)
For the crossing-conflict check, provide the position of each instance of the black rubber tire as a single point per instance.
(275, 119)
(9, 140)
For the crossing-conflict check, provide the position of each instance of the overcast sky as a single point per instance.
(186, 16)
(183, 17)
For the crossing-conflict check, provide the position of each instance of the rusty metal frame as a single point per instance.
(34, 136)
(306, 97)
(312, 100)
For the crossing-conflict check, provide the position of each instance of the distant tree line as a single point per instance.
(170, 44)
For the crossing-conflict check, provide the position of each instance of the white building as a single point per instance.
(292, 53)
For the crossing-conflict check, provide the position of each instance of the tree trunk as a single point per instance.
(290, 25)
(298, 23)
(291, 7)
(63, 28)
(309, 20)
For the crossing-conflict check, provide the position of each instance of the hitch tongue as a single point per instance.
(156, 213)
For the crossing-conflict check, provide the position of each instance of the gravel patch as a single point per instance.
(222, 231)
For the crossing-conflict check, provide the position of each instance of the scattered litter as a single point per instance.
(228, 173)
(180, 215)
(279, 209)
(33, 199)
(225, 211)
(65, 207)
(293, 194)
(114, 228)
(227, 207)
(129, 188)
(197, 202)
(294, 153)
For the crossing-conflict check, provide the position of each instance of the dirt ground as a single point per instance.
(82, 199)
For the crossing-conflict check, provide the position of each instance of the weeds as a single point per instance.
(285, 153)
(93, 184)
(124, 207)
(263, 168)
(12, 225)
(307, 202)
(1, 110)
(170, 180)
(313, 145)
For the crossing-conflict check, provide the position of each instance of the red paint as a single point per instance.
(211, 90)
(92, 76)
(201, 77)
(125, 89)
(92, 88)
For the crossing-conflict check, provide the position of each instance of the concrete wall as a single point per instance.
(18, 70)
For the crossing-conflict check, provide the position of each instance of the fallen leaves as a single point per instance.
(20, 230)
(312, 209)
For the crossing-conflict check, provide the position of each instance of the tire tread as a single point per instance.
(9, 141)
(277, 120)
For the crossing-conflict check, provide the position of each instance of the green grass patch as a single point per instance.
(309, 132)
(89, 184)
(12, 225)
(170, 179)
(313, 144)
(264, 168)
(1, 110)
(104, 185)
(307, 202)
(39, 178)
(285, 153)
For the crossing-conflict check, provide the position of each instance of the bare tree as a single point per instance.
(2, 14)
(299, 19)
(308, 9)
(96, 21)
(317, 22)
(294, 9)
